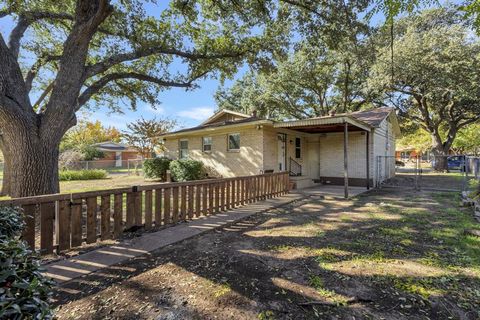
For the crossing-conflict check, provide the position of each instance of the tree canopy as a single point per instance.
(432, 79)
(323, 72)
(144, 135)
(62, 56)
(87, 133)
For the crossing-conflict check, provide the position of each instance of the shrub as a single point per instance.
(11, 224)
(24, 291)
(156, 168)
(186, 170)
(92, 174)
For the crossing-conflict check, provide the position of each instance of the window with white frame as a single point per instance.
(207, 144)
(234, 142)
(183, 149)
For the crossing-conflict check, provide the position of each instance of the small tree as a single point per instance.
(144, 135)
(86, 133)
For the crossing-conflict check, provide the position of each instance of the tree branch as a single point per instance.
(302, 6)
(141, 53)
(24, 21)
(34, 69)
(102, 82)
(469, 121)
(61, 107)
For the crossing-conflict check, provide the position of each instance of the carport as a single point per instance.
(345, 124)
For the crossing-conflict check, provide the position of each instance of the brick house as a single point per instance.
(312, 150)
(115, 154)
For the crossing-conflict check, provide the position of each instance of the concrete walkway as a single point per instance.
(75, 267)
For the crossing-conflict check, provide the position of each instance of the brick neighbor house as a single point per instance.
(115, 154)
(312, 150)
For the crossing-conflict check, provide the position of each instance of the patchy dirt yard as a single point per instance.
(386, 255)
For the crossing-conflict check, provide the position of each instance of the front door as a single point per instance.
(282, 143)
(118, 159)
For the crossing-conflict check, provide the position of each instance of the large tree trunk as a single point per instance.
(31, 164)
(440, 152)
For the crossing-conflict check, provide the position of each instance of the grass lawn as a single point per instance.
(113, 181)
(390, 254)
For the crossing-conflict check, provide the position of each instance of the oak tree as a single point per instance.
(61, 56)
(433, 78)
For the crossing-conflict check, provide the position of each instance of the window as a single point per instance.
(234, 142)
(207, 144)
(183, 149)
(298, 148)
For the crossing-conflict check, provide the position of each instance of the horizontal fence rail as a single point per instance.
(60, 222)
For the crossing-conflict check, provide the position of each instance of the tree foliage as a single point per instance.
(468, 140)
(61, 56)
(144, 135)
(324, 71)
(87, 133)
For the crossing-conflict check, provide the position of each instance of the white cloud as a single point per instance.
(198, 113)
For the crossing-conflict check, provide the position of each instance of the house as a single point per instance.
(115, 154)
(312, 150)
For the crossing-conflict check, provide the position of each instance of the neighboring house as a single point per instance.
(411, 153)
(312, 150)
(115, 154)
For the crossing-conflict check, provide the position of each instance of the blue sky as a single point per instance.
(189, 107)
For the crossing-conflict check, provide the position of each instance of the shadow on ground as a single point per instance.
(389, 254)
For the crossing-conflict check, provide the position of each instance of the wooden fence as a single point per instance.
(63, 221)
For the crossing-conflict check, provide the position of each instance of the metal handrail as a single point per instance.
(295, 168)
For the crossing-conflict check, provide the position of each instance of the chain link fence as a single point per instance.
(448, 173)
(131, 166)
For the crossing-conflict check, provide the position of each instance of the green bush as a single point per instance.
(91, 153)
(24, 291)
(186, 170)
(92, 174)
(11, 224)
(156, 168)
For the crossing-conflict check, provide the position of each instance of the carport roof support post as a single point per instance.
(345, 157)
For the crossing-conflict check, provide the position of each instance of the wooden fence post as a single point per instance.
(28, 235)
(76, 223)
(62, 225)
(197, 200)
(130, 210)
(158, 207)
(183, 203)
(148, 209)
(47, 217)
(117, 214)
(138, 195)
(205, 199)
(166, 206)
(105, 217)
(175, 205)
(91, 219)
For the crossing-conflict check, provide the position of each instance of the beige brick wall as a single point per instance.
(322, 155)
(220, 161)
(270, 147)
(331, 155)
(384, 145)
